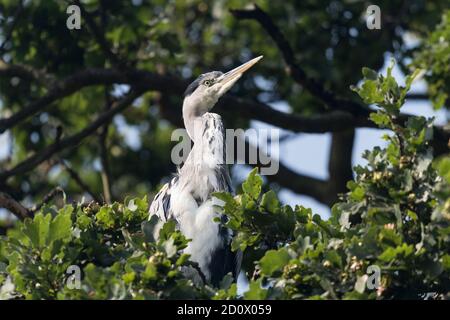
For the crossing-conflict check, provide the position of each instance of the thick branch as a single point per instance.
(10, 204)
(288, 178)
(340, 163)
(319, 123)
(417, 96)
(83, 79)
(333, 121)
(25, 72)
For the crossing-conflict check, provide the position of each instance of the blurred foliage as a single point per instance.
(435, 57)
(330, 39)
(395, 218)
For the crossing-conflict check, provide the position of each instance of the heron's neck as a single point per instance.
(189, 123)
(192, 117)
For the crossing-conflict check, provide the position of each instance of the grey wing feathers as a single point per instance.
(161, 203)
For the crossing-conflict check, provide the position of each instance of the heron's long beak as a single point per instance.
(227, 80)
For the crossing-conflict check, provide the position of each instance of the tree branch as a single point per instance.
(25, 72)
(340, 163)
(318, 123)
(417, 96)
(10, 204)
(289, 179)
(83, 79)
(333, 121)
(71, 141)
(105, 173)
(83, 186)
(440, 144)
(297, 73)
(49, 196)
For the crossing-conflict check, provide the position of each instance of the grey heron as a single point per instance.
(187, 197)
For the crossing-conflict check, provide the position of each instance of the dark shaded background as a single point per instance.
(91, 111)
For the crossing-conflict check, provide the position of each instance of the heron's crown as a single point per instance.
(205, 76)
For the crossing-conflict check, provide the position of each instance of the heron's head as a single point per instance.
(202, 94)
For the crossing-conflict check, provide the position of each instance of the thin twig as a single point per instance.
(105, 173)
(49, 196)
(76, 177)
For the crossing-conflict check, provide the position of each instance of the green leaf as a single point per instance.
(105, 217)
(410, 79)
(391, 253)
(252, 186)
(60, 227)
(167, 229)
(446, 262)
(274, 260)
(239, 241)
(443, 167)
(37, 229)
(230, 205)
(270, 202)
(369, 73)
(369, 92)
(255, 292)
(380, 119)
(357, 193)
(129, 277)
(150, 272)
(183, 259)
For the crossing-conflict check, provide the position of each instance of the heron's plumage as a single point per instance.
(187, 198)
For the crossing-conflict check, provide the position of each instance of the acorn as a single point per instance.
(377, 175)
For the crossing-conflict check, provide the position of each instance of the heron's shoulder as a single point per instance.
(161, 203)
(210, 116)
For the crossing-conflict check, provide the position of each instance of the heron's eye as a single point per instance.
(208, 83)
